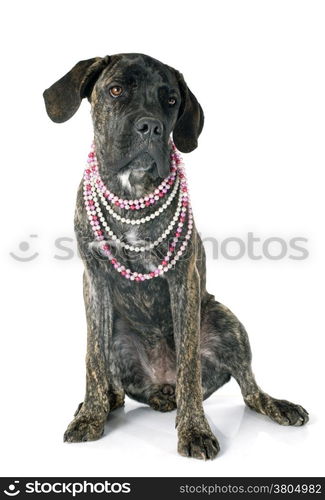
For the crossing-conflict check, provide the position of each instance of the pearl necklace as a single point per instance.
(143, 220)
(94, 186)
(144, 202)
(132, 248)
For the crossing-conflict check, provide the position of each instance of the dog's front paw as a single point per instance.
(84, 427)
(198, 442)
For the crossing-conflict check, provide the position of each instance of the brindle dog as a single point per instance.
(165, 342)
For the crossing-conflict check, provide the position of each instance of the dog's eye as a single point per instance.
(172, 101)
(116, 91)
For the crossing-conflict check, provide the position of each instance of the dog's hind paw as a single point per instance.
(84, 428)
(286, 413)
(163, 398)
(279, 410)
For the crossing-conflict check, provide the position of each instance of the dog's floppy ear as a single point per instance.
(190, 119)
(63, 98)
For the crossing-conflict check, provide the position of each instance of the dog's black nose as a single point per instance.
(149, 128)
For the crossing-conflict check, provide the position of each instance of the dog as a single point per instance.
(165, 342)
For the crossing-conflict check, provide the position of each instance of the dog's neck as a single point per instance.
(128, 183)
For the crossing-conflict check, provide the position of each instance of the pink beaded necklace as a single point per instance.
(95, 191)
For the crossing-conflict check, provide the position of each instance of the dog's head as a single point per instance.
(137, 102)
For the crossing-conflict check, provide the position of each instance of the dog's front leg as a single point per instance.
(195, 438)
(90, 418)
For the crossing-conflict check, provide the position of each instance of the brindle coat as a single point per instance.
(165, 342)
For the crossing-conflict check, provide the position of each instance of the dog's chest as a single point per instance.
(145, 304)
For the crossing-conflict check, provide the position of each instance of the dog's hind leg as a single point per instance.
(225, 351)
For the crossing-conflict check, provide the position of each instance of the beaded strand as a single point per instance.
(94, 188)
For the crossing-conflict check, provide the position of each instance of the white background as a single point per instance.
(257, 67)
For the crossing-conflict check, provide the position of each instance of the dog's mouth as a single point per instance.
(142, 162)
(149, 163)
